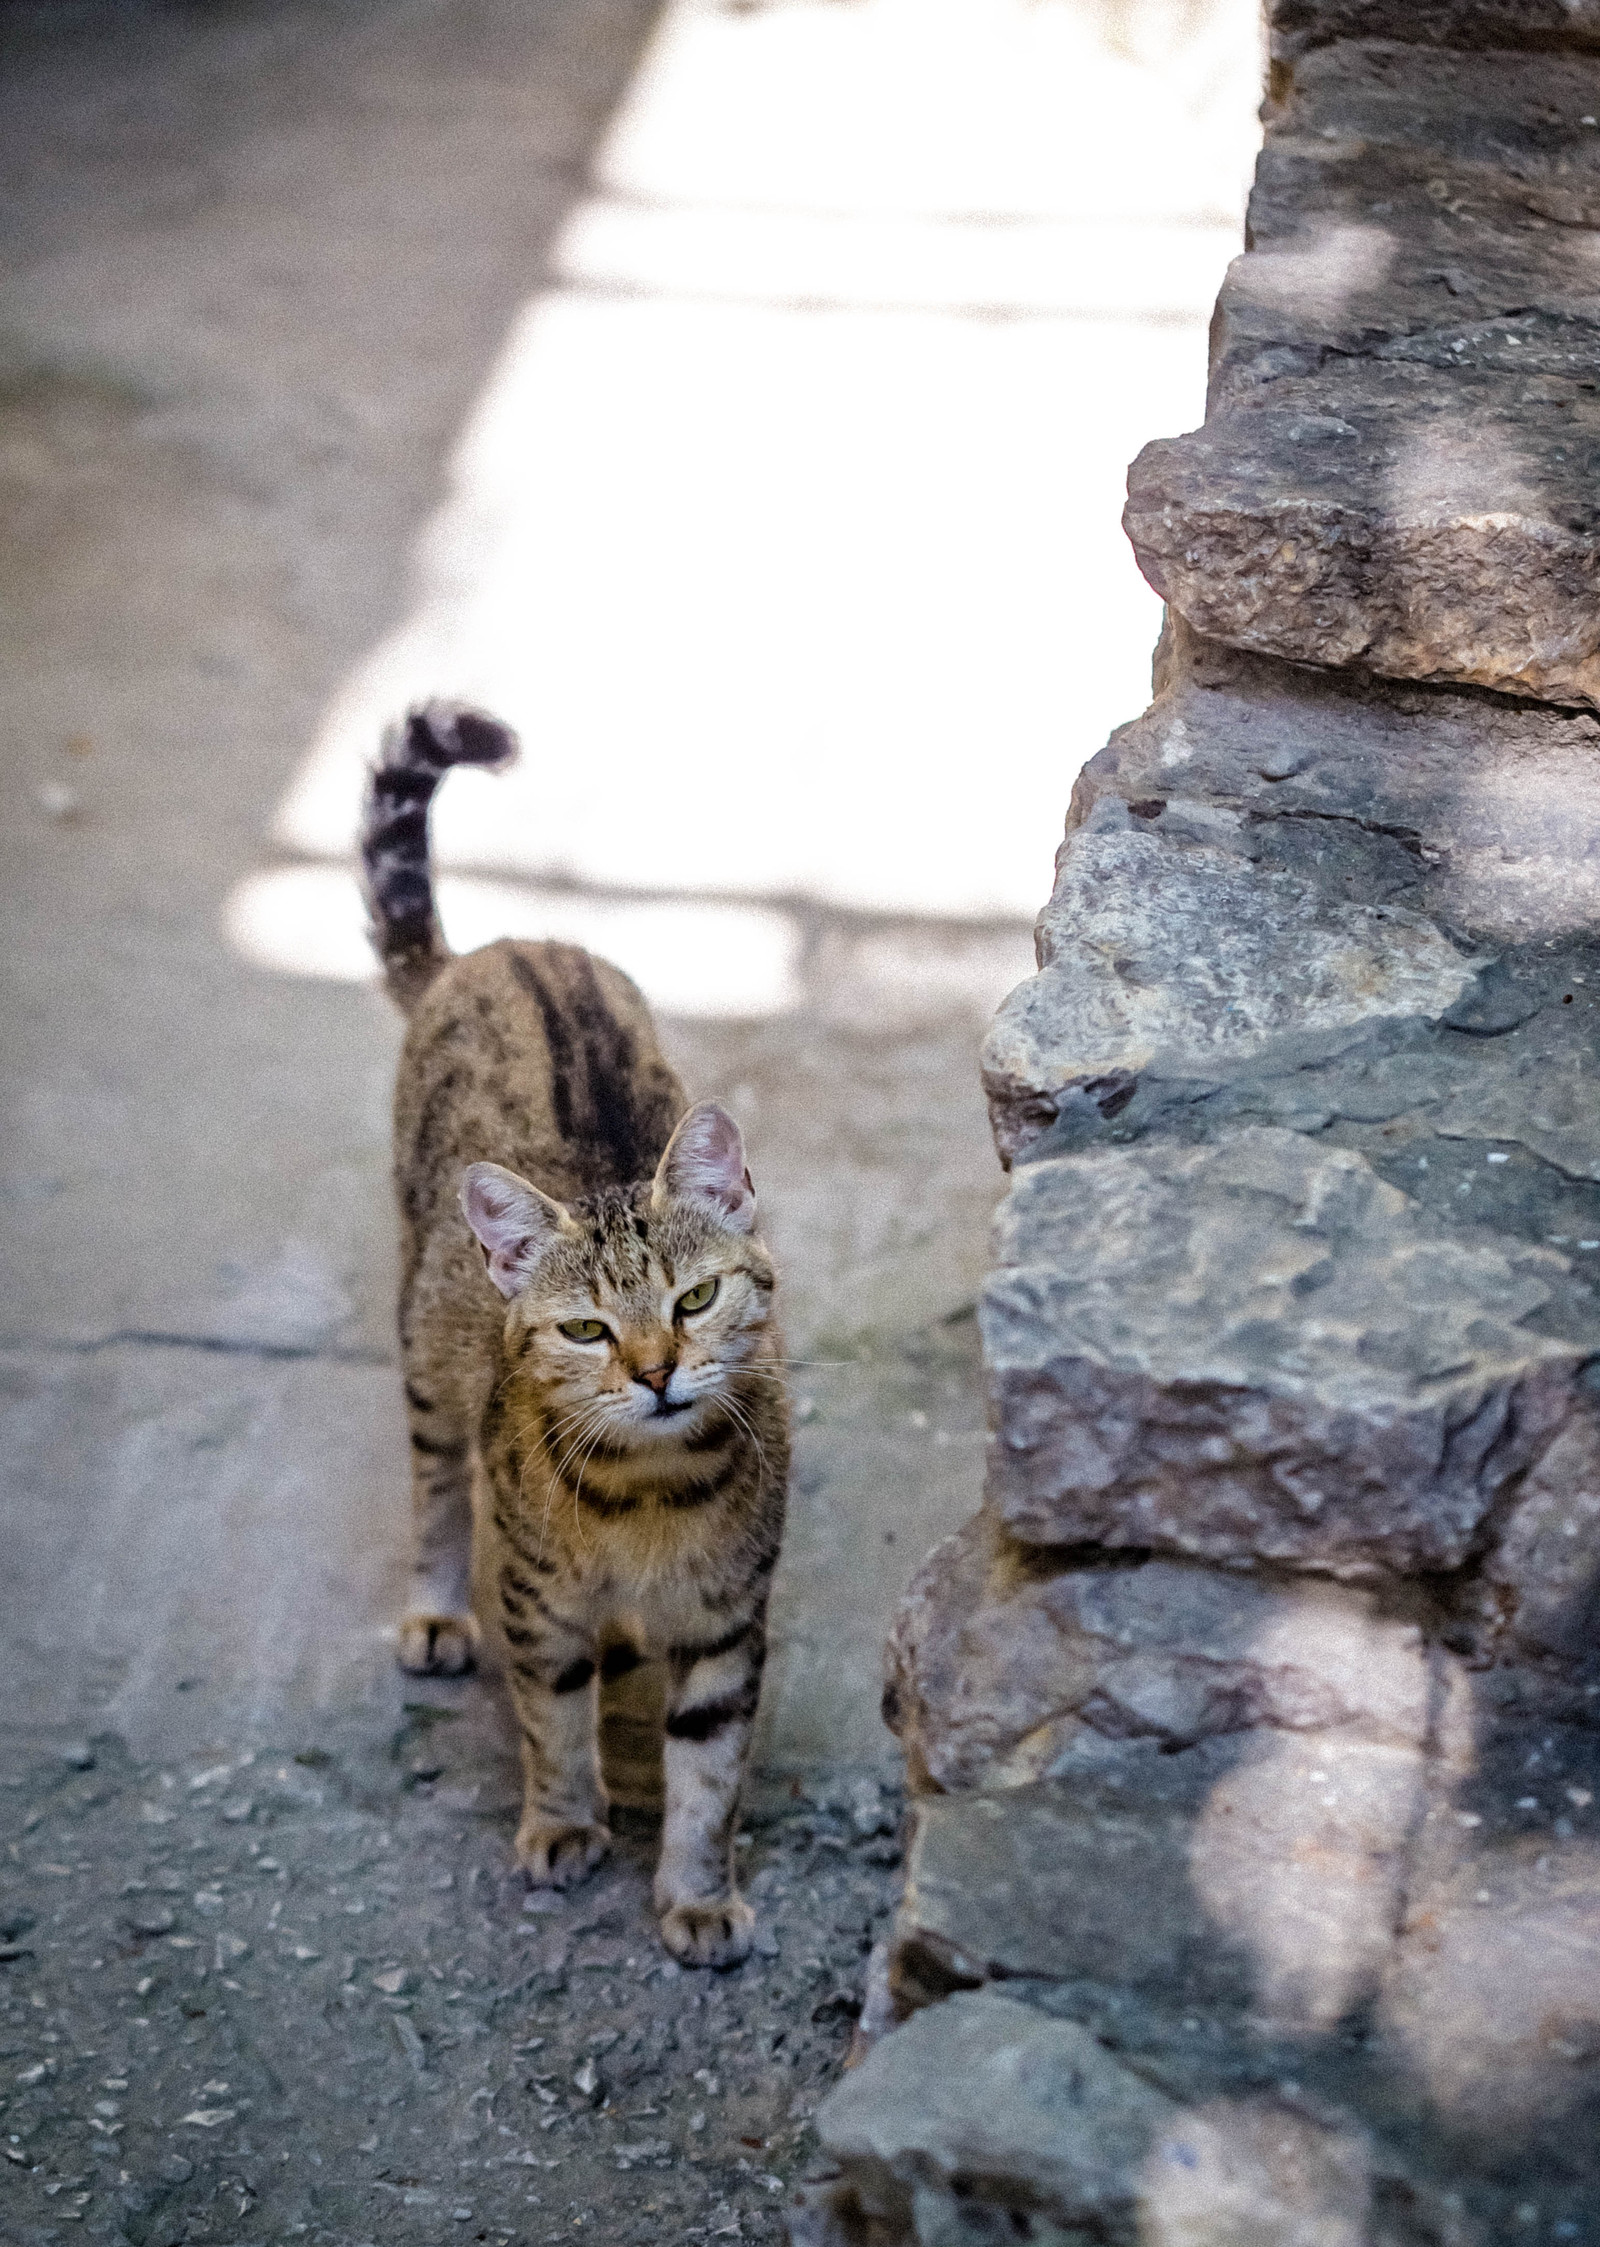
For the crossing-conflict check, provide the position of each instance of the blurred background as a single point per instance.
(736, 395)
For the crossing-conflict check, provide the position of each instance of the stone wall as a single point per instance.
(1253, 1881)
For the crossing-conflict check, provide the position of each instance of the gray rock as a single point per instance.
(1005, 1667)
(1397, 467)
(1484, 816)
(1237, 2171)
(1268, 1876)
(150, 1919)
(984, 2107)
(1360, 249)
(1492, 2001)
(1033, 1884)
(983, 2119)
(1297, 26)
(1155, 950)
(1371, 515)
(1544, 1097)
(1255, 789)
(1542, 1578)
(1257, 1350)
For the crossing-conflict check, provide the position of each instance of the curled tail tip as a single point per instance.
(437, 734)
(397, 875)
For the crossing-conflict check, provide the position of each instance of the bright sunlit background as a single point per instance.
(787, 528)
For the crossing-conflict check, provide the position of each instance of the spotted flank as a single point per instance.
(589, 1336)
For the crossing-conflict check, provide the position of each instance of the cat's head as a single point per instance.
(633, 1309)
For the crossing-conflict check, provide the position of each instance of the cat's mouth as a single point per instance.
(667, 1410)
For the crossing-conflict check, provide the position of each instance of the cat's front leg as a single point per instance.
(563, 1833)
(438, 1635)
(711, 1710)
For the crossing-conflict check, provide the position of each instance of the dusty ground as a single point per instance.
(221, 421)
(303, 1996)
(259, 262)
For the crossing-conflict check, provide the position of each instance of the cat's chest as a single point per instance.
(654, 1599)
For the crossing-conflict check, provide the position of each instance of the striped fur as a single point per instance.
(630, 1489)
(397, 876)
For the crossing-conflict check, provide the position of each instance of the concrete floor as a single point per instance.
(262, 263)
(810, 347)
(203, 1451)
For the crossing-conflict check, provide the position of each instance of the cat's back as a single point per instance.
(537, 1056)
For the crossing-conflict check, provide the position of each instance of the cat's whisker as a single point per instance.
(585, 1418)
(740, 1420)
(582, 1417)
(577, 1486)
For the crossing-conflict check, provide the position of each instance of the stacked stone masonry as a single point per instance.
(1253, 1726)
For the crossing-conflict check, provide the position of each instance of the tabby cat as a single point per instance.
(586, 1324)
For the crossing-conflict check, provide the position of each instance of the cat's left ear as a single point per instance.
(704, 1163)
(514, 1222)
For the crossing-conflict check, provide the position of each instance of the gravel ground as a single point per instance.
(218, 1980)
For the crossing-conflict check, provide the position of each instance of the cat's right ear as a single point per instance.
(514, 1223)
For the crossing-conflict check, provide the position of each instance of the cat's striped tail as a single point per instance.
(397, 874)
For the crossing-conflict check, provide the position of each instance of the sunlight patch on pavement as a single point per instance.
(701, 960)
(1081, 268)
(787, 527)
(947, 108)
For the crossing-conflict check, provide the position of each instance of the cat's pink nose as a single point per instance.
(655, 1377)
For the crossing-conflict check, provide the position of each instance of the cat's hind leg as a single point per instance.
(438, 1634)
(711, 1709)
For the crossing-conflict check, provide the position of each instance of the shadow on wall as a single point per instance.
(1365, 1866)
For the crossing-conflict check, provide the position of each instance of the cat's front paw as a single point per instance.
(438, 1645)
(715, 1934)
(554, 1852)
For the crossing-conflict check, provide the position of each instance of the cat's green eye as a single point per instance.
(698, 1298)
(583, 1330)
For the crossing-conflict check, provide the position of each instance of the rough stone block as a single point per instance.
(1257, 1349)
(1004, 1666)
(1478, 815)
(1162, 950)
(1426, 210)
(1492, 2003)
(1267, 1872)
(1298, 26)
(1193, 954)
(1541, 1582)
(985, 2122)
(1483, 815)
(1369, 516)
(986, 2109)
(1234, 2172)
(1329, 818)
(1398, 467)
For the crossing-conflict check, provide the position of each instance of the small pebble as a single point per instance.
(150, 1919)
